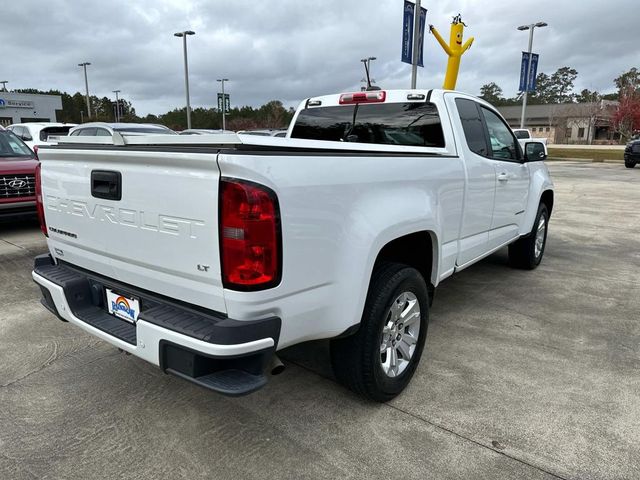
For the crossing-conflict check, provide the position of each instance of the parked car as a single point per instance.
(17, 176)
(265, 133)
(206, 261)
(632, 152)
(203, 131)
(102, 129)
(524, 135)
(37, 134)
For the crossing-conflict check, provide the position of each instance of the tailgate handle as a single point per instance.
(106, 184)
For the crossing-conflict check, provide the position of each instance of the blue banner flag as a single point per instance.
(423, 21)
(533, 72)
(524, 66)
(528, 72)
(407, 32)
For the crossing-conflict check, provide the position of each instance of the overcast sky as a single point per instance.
(292, 49)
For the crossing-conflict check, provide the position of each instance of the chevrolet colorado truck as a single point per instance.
(206, 254)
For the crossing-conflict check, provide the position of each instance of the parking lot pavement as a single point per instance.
(525, 375)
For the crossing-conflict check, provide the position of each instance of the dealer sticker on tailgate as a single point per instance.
(122, 307)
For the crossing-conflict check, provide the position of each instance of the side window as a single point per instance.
(503, 143)
(472, 126)
(85, 132)
(101, 132)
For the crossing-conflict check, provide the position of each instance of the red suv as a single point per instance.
(17, 176)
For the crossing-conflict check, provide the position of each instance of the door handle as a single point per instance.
(106, 184)
(503, 177)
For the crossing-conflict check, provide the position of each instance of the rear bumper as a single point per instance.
(204, 347)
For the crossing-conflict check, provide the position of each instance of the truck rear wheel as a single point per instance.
(629, 163)
(528, 251)
(379, 360)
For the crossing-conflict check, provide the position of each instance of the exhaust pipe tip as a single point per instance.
(276, 367)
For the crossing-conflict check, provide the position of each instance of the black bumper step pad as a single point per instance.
(86, 301)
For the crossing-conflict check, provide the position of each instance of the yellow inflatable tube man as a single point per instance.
(454, 50)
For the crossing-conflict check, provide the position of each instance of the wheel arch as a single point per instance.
(547, 199)
(418, 250)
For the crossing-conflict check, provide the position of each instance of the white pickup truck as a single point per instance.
(524, 135)
(206, 254)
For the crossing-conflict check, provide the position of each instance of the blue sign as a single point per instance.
(533, 73)
(524, 66)
(407, 32)
(528, 72)
(423, 21)
(224, 103)
(2, 104)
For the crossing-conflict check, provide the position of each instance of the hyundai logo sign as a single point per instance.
(17, 184)
(2, 102)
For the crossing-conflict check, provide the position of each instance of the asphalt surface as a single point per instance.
(525, 375)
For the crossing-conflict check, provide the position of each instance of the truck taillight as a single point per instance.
(363, 97)
(39, 203)
(250, 236)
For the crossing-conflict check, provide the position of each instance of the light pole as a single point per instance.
(86, 86)
(528, 73)
(224, 103)
(367, 69)
(183, 35)
(4, 85)
(416, 38)
(117, 106)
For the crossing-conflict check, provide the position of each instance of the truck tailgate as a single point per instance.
(160, 234)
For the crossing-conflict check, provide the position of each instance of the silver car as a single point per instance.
(102, 129)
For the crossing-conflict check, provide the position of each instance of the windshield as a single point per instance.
(12, 147)
(521, 134)
(414, 124)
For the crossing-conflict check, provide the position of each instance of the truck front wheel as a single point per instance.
(379, 360)
(528, 251)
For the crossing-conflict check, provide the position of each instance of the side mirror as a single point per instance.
(534, 152)
(26, 137)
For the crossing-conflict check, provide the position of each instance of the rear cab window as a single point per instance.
(45, 133)
(410, 124)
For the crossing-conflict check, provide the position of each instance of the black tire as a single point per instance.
(356, 360)
(522, 253)
(629, 163)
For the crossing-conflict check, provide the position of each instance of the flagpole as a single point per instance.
(416, 28)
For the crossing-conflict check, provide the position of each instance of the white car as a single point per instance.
(206, 259)
(265, 133)
(203, 131)
(37, 134)
(103, 129)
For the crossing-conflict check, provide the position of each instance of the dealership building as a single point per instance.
(28, 107)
